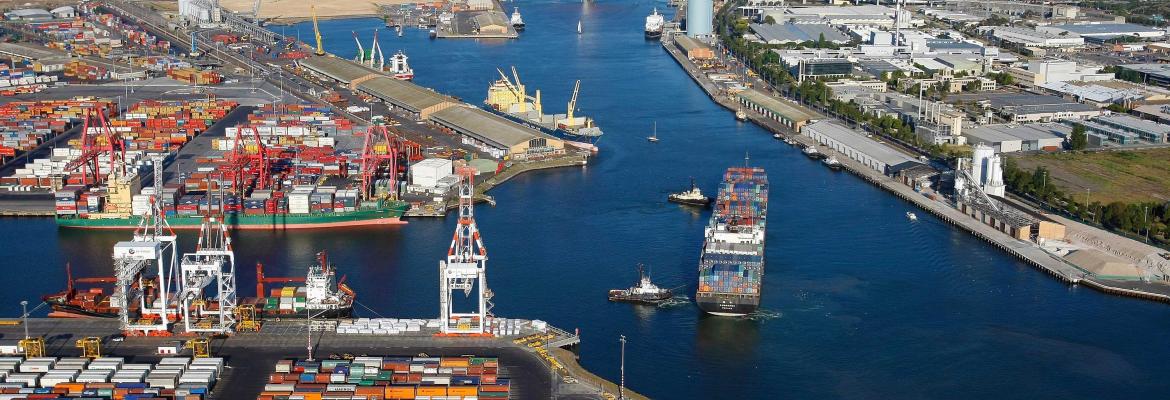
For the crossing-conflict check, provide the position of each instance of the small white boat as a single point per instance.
(910, 215)
(740, 115)
(777, 136)
(578, 27)
(653, 138)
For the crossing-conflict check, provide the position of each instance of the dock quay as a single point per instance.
(1027, 252)
(250, 356)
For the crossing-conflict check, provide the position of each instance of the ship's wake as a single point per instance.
(675, 302)
(763, 315)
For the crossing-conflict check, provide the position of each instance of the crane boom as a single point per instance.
(573, 101)
(317, 31)
(361, 57)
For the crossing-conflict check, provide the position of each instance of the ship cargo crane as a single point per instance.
(213, 262)
(99, 143)
(153, 244)
(361, 54)
(261, 279)
(248, 160)
(464, 269)
(573, 102)
(316, 31)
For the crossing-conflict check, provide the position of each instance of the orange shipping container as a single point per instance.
(399, 392)
(463, 391)
(432, 391)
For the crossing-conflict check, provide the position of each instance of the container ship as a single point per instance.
(278, 170)
(72, 302)
(731, 266)
(509, 98)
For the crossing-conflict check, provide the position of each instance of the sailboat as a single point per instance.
(653, 138)
(578, 27)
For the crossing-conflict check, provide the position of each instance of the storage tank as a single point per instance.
(699, 17)
(979, 159)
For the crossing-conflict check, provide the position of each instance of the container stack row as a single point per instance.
(426, 378)
(386, 326)
(24, 125)
(195, 76)
(107, 377)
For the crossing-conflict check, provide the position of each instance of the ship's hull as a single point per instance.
(690, 202)
(580, 141)
(72, 311)
(518, 27)
(384, 216)
(727, 305)
(653, 34)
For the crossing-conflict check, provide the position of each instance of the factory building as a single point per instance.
(1104, 93)
(200, 11)
(1154, 112)
(700, 18)
(1014, 221)
(1153, 74)
(802, 68)
(858, 147)
(790, 115)
(694, 49)
(1010, 138)
(28, 14)
(419, 101)
(797, 33)
(1029, 37)
(496, 135)
(1103, 31)
(492, 22)
(1038, 108)
(66, 12)
(1124, 129)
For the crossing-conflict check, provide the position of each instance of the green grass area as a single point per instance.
(1128, 176)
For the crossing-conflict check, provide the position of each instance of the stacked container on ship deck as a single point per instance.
(731, 266)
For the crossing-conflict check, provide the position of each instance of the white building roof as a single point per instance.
(860, 143)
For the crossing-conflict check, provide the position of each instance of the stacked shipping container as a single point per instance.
(431, 378)
(107, 377)
(24, 125)
(731, 266)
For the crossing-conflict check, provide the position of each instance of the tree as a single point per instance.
(769, 20)
(1078, 140)
(1118, 108)
(821, 40)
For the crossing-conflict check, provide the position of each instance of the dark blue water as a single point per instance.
(858, 302)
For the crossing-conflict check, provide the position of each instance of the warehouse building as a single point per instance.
(497, 136)
(1010, 138)
(28, 15)
(858, 147)
(419, 101)
(1153, 74)
(694, 49)
(803, 68)
(791, 115)
(1014, 220)
(1154, 112)
(1039, 108)
(1029, 37)
(797, 33)
(1125, 129)
(492, 22)
(1104, 31)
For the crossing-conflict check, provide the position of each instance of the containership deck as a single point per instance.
(731, 266)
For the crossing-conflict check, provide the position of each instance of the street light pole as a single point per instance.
(24, 316)
(622, 388)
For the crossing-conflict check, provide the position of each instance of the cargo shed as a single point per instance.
(791, 115)
(417, 100)
(858, 147)
(496, 135)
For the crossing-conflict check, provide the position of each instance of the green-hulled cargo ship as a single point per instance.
(387, 213)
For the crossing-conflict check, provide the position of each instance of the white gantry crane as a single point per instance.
(212, 263)
(464, 269)
(153, 244)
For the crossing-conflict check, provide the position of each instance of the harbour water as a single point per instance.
(858, 302)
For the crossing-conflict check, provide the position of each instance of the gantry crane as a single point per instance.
(317, 31)
(246, 320)
(246, 161)
(33, 346)
(154, 243)
(98, 139)
(380, 150)
(464, 268)
(213, 262)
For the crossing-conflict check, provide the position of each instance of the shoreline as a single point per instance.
(1030, 254)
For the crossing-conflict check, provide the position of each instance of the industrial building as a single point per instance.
(1010, 138)
(28, 14)
(496, 135)
(694, 49)
(700, 18)
(1028, 37)
(1153, 74)
(1104, 93)
(1103, 31)
(419, 101)
(65, 12)
(802, 68)
(790, 114)
(1039, 72)
(1124, 129)
(1014, 220)
(856, 146)
(797, 33)
(492, 22)
(1039, 108)
(1157, 113)
(859, 15)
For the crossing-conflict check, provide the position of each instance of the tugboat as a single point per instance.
(833, 164)
(692, 197)
(740, 115)
(400, 68)
(646, 292)
(517, 22)
(654, 24)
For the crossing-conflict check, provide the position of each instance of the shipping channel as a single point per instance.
(858, 302)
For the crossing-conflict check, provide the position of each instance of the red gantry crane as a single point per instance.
(97, 139)
(245, 161)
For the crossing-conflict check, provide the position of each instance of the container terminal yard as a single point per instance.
(320, 151)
